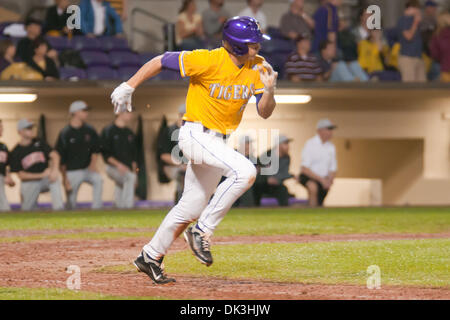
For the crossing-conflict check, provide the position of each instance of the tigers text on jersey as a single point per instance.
(218, 90)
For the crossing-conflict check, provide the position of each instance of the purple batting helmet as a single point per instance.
(239, 31)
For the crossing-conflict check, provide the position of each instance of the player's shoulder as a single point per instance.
(89, 127)
(64, 131)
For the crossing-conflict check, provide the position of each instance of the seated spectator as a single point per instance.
(336, 71)
(41, 63)
(7, 54)
(296, 21)
(253, 10)
(56, 19)
(213, 20)
(37, 166)
(98, 18)
(272, 185)
(410, 62)
(189, 28)
(245, 148)
(440, 46)
(361, 31)
(326, 22)
(119, 151)
(428, 24)
(374, 53)
(78, 146)
(319, 165)
(25, 49)
(301, 65)
(5, 177)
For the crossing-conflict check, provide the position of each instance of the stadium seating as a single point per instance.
(82, 43)
(71, 73)
(146, 57)
(114, 44)
(95, 58)
(59, 43)
(101, 73)
(126, 73)
(124, 59)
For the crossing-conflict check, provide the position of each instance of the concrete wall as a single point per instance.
(394, 138)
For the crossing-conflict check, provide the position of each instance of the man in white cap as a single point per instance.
(79, 145)
(37, 166)
(174, 167)
(272, 185)
(319, 165)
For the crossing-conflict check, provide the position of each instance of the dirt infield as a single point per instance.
(43, 263)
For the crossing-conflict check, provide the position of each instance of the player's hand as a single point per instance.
(121, 98)
(268, 76)
(123, 169)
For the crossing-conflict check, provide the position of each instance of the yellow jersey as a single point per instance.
(218, 89)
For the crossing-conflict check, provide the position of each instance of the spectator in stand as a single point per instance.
(374, 53)
(98, 18)
(78, 145)
(361, 32)
(189, 28)
(5, 177)
(7, 54)
(213, 20)
(301, 65)
(37, 165)
(272, 185)
(296, 21)
(428, 25)
(440, 46)
(56, 19)
(25, 49)
(41, 63)
(410, 62)
(326, 22)
(319, 165)
(119, 151)
(338, 71)
(253, 10)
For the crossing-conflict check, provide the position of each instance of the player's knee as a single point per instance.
(248, 174)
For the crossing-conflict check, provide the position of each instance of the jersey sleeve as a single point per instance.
(194, 63)
(306, 156)
(105, 144)
(60, 148)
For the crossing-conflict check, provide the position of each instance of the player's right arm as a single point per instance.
(188, 63)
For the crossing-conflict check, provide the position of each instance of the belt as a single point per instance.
(207, 130)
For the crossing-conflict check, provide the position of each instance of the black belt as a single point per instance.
(205, 129)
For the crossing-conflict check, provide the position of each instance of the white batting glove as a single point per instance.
(121, 98)
(268, 77)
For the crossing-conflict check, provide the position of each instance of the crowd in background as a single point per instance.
(327, 47)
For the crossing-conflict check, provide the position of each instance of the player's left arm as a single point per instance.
(266, 102)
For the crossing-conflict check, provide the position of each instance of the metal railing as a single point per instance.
(168, 29)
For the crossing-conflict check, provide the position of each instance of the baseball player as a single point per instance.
(221, 83)
(5, 177)
(119, 151)
(78, 145)
(37, 166)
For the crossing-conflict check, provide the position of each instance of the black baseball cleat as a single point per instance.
(152, 268)
(199, 243)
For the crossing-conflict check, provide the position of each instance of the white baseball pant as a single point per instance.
(209, 159)
(125, 186)
(30, 191)
(76, 178)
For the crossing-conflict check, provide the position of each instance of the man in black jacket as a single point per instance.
(56, 18)
(119, 150)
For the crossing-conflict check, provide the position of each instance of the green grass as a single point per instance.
(402, 262)
(238, 222)
(61, 294)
